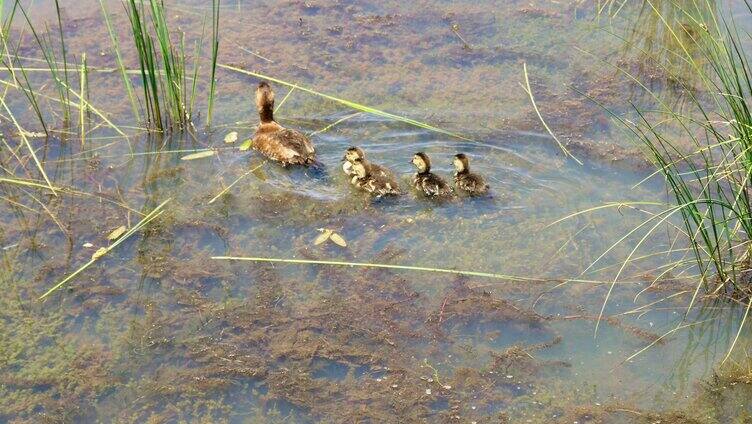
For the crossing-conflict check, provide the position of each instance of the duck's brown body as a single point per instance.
(286, 146)
(367, 178)
(376, 186)
(431, 184)
(469, 183)
(280, 144)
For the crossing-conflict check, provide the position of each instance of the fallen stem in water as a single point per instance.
(145, 220)
(334, 124)
(22, 133)
(348, 103)
(416, 268)
(529, 92)
(235, 182)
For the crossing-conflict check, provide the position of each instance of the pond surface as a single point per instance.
(158, 330)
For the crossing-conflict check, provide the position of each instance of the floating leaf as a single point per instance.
(231, 137)
(245, 145)
(116, 233)
(337, 239)
(99, 253)
(199, 155)
(324, 236)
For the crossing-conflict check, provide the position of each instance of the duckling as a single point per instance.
(427, 182)
(354, 153)
(464, 180)
(286, 146)
(366, 178)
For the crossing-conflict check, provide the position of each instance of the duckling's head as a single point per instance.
(265, 101)
(421, 161)
(461, 163)
(354, 153)
(359, 169)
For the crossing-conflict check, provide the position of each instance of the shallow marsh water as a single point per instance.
(158, 331)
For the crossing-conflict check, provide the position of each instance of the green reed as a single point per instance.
(65, 59)
(169, 87)
(121, 66)
(710, 181)
(17, 68)
(703, 146)
(45, 44)
(84, 89)
(215, 53)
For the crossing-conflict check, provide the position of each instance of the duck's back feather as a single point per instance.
(471, 183)
(377, 186)
(431, 184)
(283, 145)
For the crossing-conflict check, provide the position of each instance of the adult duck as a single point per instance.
(280, 144)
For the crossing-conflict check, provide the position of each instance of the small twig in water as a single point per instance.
(456, 31)
(441, 312)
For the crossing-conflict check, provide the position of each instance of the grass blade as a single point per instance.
(349, 104)
(409, 268)
(529, 92)
(22, 134)
(144, 221)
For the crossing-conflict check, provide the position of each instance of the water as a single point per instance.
(159, 331)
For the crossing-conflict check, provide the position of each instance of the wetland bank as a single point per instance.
(497, 325)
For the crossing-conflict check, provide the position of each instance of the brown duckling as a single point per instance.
(366, 178)
(427, 182)
(286, 146)
(354, 153)
(464, 180)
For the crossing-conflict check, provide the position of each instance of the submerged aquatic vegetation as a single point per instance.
(162, 333)
(155, 213)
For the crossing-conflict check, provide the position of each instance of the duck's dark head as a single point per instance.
(265, 101)
(422, 162)
(354, 153)
(359, 169)
(461, 163)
